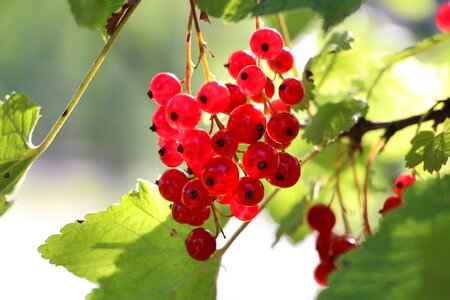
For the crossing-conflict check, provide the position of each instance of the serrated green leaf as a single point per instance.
(333, 12)
(292, 225)
(228, 10)
(134, 250)
(433, 150)
(18, 117)
(407, 258)
(93, 13)
(332, 118)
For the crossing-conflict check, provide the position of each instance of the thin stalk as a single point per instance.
(338, 167)
(356, 178)
(188, 55)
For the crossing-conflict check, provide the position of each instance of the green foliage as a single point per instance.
(332, 118)
(134, 250)
(433, 150)
(4, 205)
(18, 117)
(407, 258)
(293, 224)
(228, 10)
(296, 21)
(93, 13)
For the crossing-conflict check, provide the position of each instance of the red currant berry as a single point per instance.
(200, 244)
(274, 144)
(278, 105)
(269, 90)
(260, 159)
(195, 145)
(266, 43)
(163, 87)
(238, 60)
(283, 62)
(171, 183)
(236, 97)
(226, 199)
(220, 175)
(242, 212)
(199, 217)
(213, 97)
(249, 191)
(323, 244)
(291, 91)
(251, 80)
(287, 173)
(390, 203)
(168, 153)
(183, 112)
(322, 272)
(180, 213)
(442, 18)
(196, 167)
(402, 182)
(247, 123)
(195, 196)
(321, 218)
(342, 244)
(224, 143)
(283, 127)
(161, 127)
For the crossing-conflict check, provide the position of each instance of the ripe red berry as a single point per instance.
(220, 175)
(442, 18)
(322, 272)
(195, 196)
(321, 218)
(200, 244)
(390, 203)
(236, 97)
(163, 87)
(238, 60)
(249, 191)
(278, 105)
(266, 43)
(260, 159)
(402, 182)
(283, 127)
(242, 212)
(180, 213)
(323, 243)
(171, 183)
(269, 90)
(214, 97)
(247, 123)
(274, 144)
(225, 199)
(183, 112)
(168, 153)
(224, 143)
(195, 145)
(199, 217)
(251, 80)
(287, 173)
(291, 91)
(161, 127)
(342, 244)
(283, 62)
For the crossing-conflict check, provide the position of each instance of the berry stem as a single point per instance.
(201, 43)
(88, 78)
(217, 222)
(338, 167)
(188, 55)
(221, 212)
(356, 178)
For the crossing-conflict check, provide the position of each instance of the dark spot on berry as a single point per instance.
(157, 182)
(180, 148)
(261, 165)
(170, 206)
(399, 185)
(265, 47)
(290, 132)
(248, 195)
(282, 87)
(162, 151)
(174, 116)
(209, 182)
(226, 65)
(244, 75)
(260, 127)
(153, 128)
(193, 194)
(279, 177)
(220, 142)
(150, 94)
(189, 171)
(7, 175)
(203, 99)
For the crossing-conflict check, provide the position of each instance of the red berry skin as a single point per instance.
(200, 244)
(161, 127)
(225, 199)
(171, 183)
(322, 272)
(238, 60)
(287, 173)
(266, 43)
(260, 159)
(214, 97)
(323, 244)
(402, 182)
(251, 80)
(168, 153)
(242, 212)
(442, 17)
(223, 142)
(199, 217)
(236, 97)
(183, 112)
(163, 87)
(247, 123)
(249, 191)
(283, 127)
(274, 144)
(195, 196)
(278, 105)
(180, 213)
(220, 175)
(195, 145)
(291, 91)
(283, 62)
(321, 218)
(269, 90)
(390, 203)
(342, 244)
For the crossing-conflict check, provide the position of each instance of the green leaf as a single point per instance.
(433, 150)
(332, 118)
(296, 21)
(93, 13)
(408, 258)
(228, 10)
(18, 117)
(134, 250)
(333, 12)
(4, 205)
(293, 225)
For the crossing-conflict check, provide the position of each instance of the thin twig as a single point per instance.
(338, 166)
(188, 55)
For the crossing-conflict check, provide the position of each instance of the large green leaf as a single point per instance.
(408, 258)
(228, 10)
(134, 250)
(18, 117)
(93, 13)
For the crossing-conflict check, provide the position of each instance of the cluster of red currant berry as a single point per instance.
(226, 165)
(401, 183)
(328, 244)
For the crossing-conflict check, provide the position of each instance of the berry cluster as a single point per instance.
(328, 244)
(226, 164)
(401, 183)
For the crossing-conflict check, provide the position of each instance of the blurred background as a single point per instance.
(106, 144)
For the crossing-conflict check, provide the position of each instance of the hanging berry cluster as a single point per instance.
(401, 183)
(226, 164)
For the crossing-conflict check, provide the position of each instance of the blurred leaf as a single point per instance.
(93, 13)
(408, 258)
(228, 10)
(134, 250)
(432, 150)
(4, 205)
(293, 223)
(18, 117)
(332, 118)
(296, 21)
(333, 12)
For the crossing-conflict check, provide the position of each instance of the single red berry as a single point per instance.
(195, 145)
(220, 175)
(390, 203)
(402, 182)
(291, 91)
(242, 212)
(225, 199)
(283, 127)
(168, 153)
(260, 159)
(322, 272)
(199, 217)
(171, 183)
(214, 97)
(278, 105)
(321, 218)
(287, 173)
(342, 244)
(249, 191)
(236, 97)
(161, 127)
(251, 80)
(269, 90)
(196, 167)
(247, 123)
(442, 18)
(283, 62)
(183, 112)
(195, 196)
(200, 244)
(180, 213)
(238, 60)
(163, 87)
(266, 43)
(224, 143)
(323, 244)
(274, 144)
